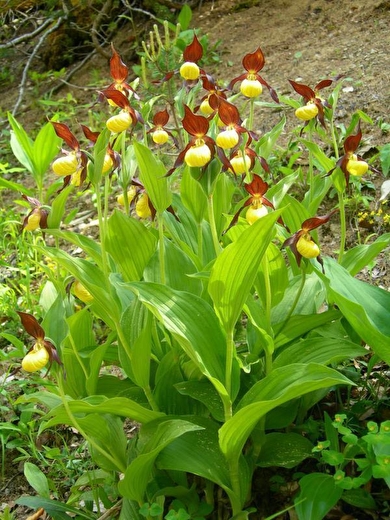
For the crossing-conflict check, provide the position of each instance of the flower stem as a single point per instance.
(161, 247)
(343, 226)
(213, 227)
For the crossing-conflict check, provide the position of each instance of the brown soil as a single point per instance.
(302, 40)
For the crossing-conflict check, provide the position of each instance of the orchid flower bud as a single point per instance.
(307, 112)
(307, 247)
(66, 165)
(251, 88)
(227, 138)
(205, 107)
(142, 207)
(81, 292)
(254, 213)
(356, 167)
(240, 164)
(37, 358)
(160, 136)
(107, 163)
(189, 70)
(119, 122)
(198, 155)
(33, 220)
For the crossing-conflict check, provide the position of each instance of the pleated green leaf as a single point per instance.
(121, 406)
(193, 323)
(58, 207)
(234, 271)
(130, 244)
(192, 195)
(178, 278)
(355, 259)
(139, 472)
(366, 307)
(152, 175)
(319, 350)
(198, 453)
(105, 303)
(281, 386)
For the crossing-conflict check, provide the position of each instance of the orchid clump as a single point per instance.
(215, 343)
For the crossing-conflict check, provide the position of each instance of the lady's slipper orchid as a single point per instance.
(209, 103)
(43, 351)
(119, 72)
(257, 204)
(302, 244)
(37, 218)
(81, 292)
(190, 70)
(160, 134)
(72, 163)
(350, 163)
(229, 115)
(142, 207)
(251, 82)
(126, 117)
(112, 159)
(131, 193)
(201, 148)
(314, 106)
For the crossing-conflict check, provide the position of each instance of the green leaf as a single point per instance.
(139, 472)
(323, 162)
(21, 144)
(56, 510)
(204, 392)
(355, 259)
(299, 325)
(319, 350)
(281, 386)
(58, 207)
(384, 155)
(37, 479)
(359, 498)
(130, 244)
(178, 278)
(136, 324)
(192, 195)
(46, 147)
(88, 245)
(105, 302)
(185, 17)
(107, 439)
(152, 176)
(198, 453)
(235, 269)
(318, 495)
(121, 406)
(284, 450)
(366, 307)
(266, 143)
(192, 322)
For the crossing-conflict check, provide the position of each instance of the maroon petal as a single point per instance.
(257, 186)
(161, 118)
(352, 142)
(31, 325)
(64, 133)
(253, 62)
(228, 112)
(194, 124)
(304, 90)
(193, 51)
(118, 69)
